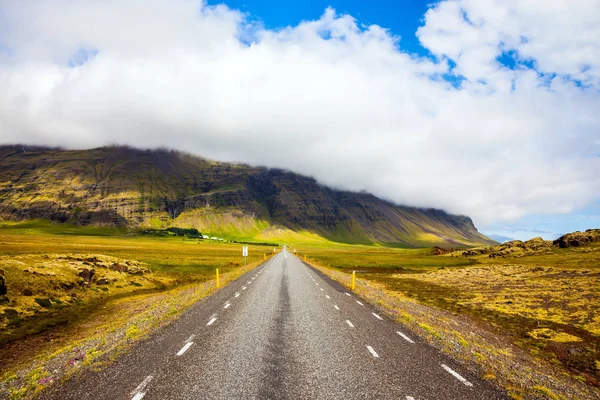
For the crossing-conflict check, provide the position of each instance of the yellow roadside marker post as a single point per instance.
(218, 282)
(265, 254)
(353, 279)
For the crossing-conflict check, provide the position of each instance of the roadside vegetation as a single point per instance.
(74, 297)
(525, 315)
(528, 317)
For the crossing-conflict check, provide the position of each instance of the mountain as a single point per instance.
(123, 186)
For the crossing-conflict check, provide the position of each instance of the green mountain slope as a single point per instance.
(120, 186)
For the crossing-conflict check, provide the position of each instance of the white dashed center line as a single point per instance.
(237, 294)
(336, 307)
(138, 393)
(244, 288)
(360, 303)
(190, 338)
(409, 340)
(410, 398)
(349, 323)
(347, 294)
(373, 353)
(185, 348)
(212, 321)
(456, 375)
(327, 296)
(377, 316)
(322, 290)
(227, 305)
(139, 396)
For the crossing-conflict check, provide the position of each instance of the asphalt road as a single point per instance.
(282, 331)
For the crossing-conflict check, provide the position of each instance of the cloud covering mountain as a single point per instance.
(499, 121)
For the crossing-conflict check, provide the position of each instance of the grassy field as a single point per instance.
(54, 300)
(547, 305)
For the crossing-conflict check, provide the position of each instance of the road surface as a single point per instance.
(282, 331)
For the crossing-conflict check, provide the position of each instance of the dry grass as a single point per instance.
(55, 322)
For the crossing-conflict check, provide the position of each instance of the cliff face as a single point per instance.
(124, 186)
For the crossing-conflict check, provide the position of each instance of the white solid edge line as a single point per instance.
(360, 303)
(456, 375)
(212, 320)
(349, 323)
(336, 307)
(142, 385)
(185, 348)
(409, 340)
(373, 353)
(377, 316)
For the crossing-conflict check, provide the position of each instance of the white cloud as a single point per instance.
(325, 98)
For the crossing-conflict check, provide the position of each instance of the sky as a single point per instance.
(485, 108)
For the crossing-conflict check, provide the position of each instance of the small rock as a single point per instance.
(3, 288)
(45, 303)
(119, 267)
(87, 274)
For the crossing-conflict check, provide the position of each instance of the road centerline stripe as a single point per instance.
(185, 348)
(456, 375)
(348, 294)
(190, 338)
(212, 321)
(373, 352)
(336, 307)
(360, 303)
(409, 340)
(138, 396)
(377, 316)
(349, 323)
(138, 390)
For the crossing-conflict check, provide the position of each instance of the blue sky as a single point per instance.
(483, 108)
(403, 18)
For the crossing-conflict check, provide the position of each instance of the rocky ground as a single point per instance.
(36, 287)
(518, 248)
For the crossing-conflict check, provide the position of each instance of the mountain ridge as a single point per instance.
(124, 186)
